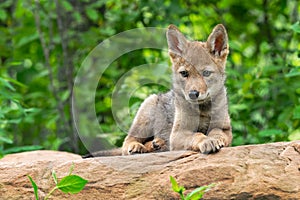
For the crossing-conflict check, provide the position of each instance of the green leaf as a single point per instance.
(32, 110)
(26, 40)
(67, 6)
(239, 107)
(6, 140)
(296, 113)
(295, 135)
(293, 72)
(3, 15)
(176, 188)
(14, 82)
(15, 63)
(54, 177)
(35, 188)
(92, 14)
(71, 184)
(65, 95)
(269, 132)
(6, 84)
(27, 63)
(198, 192)
(174, 183)
(296, 27)
(195, 195)
(22, 149)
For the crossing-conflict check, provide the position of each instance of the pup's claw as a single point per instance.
(210, 145)
(136, 147)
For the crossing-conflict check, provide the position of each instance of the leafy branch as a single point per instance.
(69, 184)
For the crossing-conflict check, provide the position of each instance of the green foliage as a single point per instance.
(43, 43)
(35, 188)
(264, 99)
(194, 195)
(69, 184)
(12, 113)
(296, 27)
(176, 188)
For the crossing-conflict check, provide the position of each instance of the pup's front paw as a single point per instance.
(134, 147)
(159, 144)
(210, 145)
(156, 144)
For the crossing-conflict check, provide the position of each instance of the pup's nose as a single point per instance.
(193, 94)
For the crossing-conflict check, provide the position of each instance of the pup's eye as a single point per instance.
(184, 73)
(206, 73)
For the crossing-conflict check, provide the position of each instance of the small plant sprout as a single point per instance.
(194, 195)
(69, 184)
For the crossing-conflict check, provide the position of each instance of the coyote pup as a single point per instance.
(194, 114)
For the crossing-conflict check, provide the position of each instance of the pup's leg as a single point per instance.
(133, 145)
(216, 139)
(142, 127)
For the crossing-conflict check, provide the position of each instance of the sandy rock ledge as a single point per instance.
(268, 171)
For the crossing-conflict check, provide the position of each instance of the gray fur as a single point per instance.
(194, 115)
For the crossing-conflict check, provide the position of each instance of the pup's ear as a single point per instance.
(217, 42)
(176, 41)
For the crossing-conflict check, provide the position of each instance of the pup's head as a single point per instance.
(198, 67)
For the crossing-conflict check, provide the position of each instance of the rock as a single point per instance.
(267, 171)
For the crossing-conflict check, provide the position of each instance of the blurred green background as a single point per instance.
(43, 43)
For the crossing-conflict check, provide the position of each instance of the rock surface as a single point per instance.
(268, 171)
